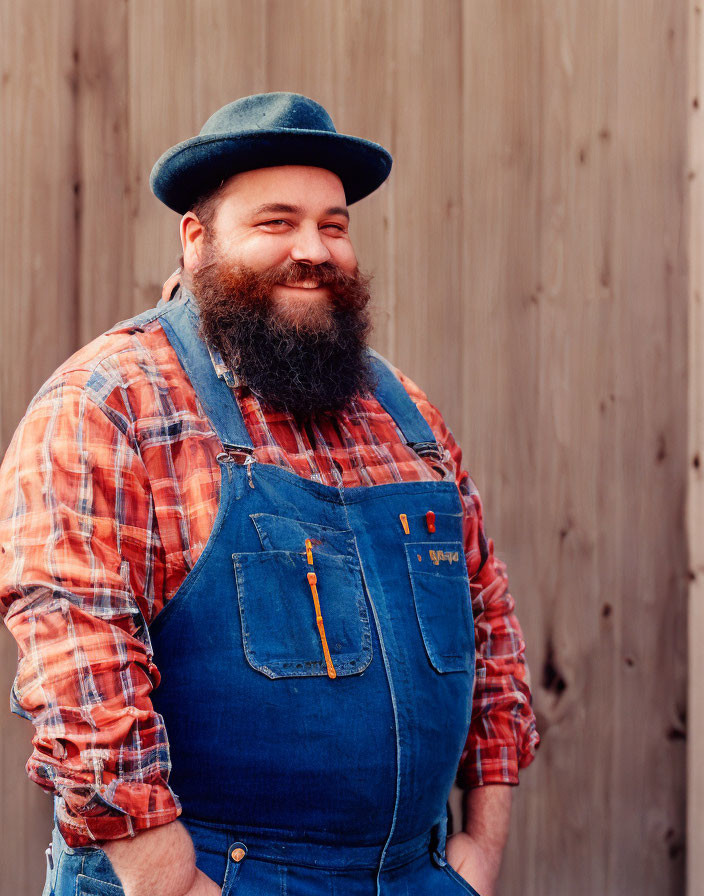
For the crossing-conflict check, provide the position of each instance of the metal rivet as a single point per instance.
(238, 854)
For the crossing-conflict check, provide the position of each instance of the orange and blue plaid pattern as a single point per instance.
(108, 493)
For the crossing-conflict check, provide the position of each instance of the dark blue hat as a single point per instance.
(262, 131)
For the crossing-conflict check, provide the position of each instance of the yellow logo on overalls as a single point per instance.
(448, 556)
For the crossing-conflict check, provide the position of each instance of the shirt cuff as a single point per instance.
(88, 831)
(493, 761)
(122, 809)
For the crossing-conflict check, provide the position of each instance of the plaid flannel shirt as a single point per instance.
(108, 493)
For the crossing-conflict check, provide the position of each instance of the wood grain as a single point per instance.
(162, 67)
(105, 192)
(584, 462)
(38, 324)
(695, 456)
(427, 209)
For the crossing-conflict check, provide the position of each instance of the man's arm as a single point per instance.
(75, 544)
(476, 851)
(160, 862)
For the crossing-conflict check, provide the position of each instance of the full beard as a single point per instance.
(305, 363)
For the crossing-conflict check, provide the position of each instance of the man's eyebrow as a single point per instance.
(273, 207)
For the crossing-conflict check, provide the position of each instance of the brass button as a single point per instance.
(238, 854)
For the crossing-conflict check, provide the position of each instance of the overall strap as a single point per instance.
(139, 321)
(179, 320)
(180, 323)
(398, 404)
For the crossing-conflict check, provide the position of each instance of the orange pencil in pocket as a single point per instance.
(313, 582)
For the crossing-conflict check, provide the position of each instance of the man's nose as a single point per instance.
(308, 246)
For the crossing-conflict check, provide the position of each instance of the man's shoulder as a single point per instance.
(129, 352)
(417, 395)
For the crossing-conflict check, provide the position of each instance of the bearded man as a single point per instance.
(261, 630)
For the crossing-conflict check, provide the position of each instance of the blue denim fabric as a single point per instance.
(330, 785)
(273, 867)
(81, 871)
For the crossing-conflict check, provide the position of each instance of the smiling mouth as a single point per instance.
(304, 284)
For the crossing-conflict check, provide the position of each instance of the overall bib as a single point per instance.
(302, 774)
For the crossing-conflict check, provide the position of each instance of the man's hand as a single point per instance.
(160, 862)
(475, 853)
(470, 861)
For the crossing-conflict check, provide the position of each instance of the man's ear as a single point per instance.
(192, 234)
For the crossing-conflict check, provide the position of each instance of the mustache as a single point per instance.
(327, 274)
(348, 291)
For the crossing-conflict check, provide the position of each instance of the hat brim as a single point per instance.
(195, 167)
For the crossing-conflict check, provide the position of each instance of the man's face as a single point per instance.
(279, 290)
(269, 217)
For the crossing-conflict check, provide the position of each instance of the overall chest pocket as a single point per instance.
(280, 634)
(443, 606)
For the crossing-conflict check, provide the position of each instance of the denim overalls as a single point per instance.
(311, 758)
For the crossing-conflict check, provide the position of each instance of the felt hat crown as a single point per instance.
(262, 131)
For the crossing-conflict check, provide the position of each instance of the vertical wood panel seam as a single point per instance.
(693, 200)
(76, 173)
(463, 212)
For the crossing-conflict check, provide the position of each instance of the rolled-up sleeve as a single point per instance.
(77, 551)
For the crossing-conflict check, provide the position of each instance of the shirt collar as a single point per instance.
(222, 370)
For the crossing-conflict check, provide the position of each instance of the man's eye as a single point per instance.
(338, 227)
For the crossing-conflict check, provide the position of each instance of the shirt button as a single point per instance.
(238, 854)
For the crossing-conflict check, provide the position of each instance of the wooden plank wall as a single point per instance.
(695, 489)
(575, 253)
(531, 272)
(38, 324)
